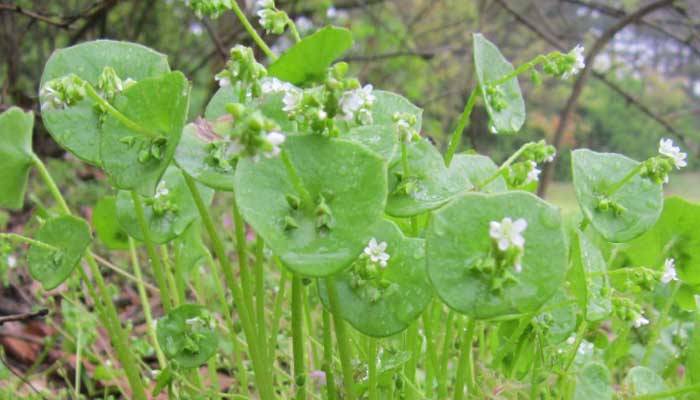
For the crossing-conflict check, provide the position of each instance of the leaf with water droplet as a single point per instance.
(71, 237)
(594, 174)
(404, 274)
(187, 343)
(464, 224)
(354, 175)
(77, 128)
(490, 65)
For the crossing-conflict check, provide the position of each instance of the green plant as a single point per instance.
(344, 196)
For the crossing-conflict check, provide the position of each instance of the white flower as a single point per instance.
(265, 3)
(353, 100)
(571, 339)
(549, 158)
(11, 261)
(275, 139)
(265, 16)
(51, 98)
(640, 321)
(667, 149)
(365, 116)
(155, 373)
(534, 174)
(292, 100)
(223, 81)
(578, 65)
(376, 252)
(274, 85)
(669, 271)
(161, 190)
(508, 233)
(585, 347)
(518, 267)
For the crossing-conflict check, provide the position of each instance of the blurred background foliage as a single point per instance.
(645, 83)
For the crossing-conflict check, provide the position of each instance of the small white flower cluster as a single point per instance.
(508, 234)
(292, 100)
(678, 158)
(533, 174)
(669, 273)
(376, 252)
(640, 321)
(270, 18)
(274, 85)
(355, 105)
(275, 139)
(161, 190)
(578, 65)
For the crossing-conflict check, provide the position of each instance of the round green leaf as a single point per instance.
(386, 104)
(382, 139)
(164, 224)
(308, 59)
(490, 66)
(351, 179)
(157, 104)
(187, 336)
(458, 236)
(107, 228)
(675, 235)
(594, 174)
(399, 304)
(590, 288)
(593, 382)
(192, 156)
(642, 381)
(478, 169)
(15, 156)
(77, 128)
(71, 237)
(429, 184)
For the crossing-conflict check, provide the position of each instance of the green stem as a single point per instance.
(293, 29)
(260, 288)
(78, 362)
(55, 192)
(465, 368)
(298, 337)
(145, 305)
(277, 312)
(107, 309)
(446, 344)
(343, 340)
(262, 378)
(372, 369)
(656, 328)
(670, 393)
(242, 251)
(505, 165)
(413, 346)
(528, 65)
(535, 378)
(251, 31)
(404, 159)
(579, 338)
(461, 124)
(180, 286)
(433, 367)
(328, 356)
(152, 253)
(32, 242)
(170, 275)
(295, 179)
(624, 180)
(126, 121)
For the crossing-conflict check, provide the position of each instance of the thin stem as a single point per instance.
(260, 287)
(251, 31)
(293, 29)
(505, 165)
(78, 362)
(262, 378)
(55, 192)
(145, 305)
(624, 180)
(404, 159)
(152, 253)
(298, 337)
(126, 121)
(461, 124)
(295, 179)
(574, 350)
(670, 393)
(524, 67)
(168, 268)
(432, 364)
(656, 328)
(464, 367)
(242, 251)
(372, 369)
(29, 241)
(535, 378)
(277, 313)
(413, 346)
(107, 309)
(328, 356)
(343, 340)
(446, 343)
